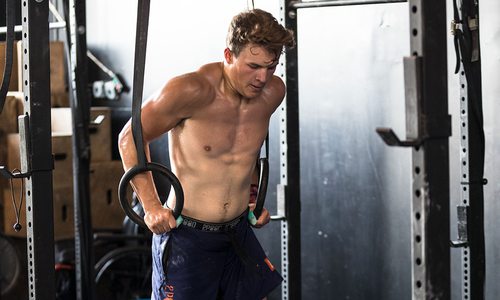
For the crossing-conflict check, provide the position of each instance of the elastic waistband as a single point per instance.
(213, 227)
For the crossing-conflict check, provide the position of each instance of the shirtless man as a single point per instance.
(217, 119)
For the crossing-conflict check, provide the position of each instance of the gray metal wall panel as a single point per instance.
(355, 190)
(490, 35)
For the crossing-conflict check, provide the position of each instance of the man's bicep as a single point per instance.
(157, 119)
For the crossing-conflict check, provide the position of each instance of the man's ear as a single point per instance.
(228, 55)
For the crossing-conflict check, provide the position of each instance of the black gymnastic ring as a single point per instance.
(262, 190)
(149, 167)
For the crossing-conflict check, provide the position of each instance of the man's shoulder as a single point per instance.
(211, 72)
(277, 88)
(205, 78)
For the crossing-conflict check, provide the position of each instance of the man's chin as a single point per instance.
(253, 94)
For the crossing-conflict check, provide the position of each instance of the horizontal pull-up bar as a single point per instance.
(301, 4)
(19, 28)
(60, 23)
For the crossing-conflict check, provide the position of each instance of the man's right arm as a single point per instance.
(159, 114)
(157, 218)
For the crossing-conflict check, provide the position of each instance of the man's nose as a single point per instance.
(261, 75)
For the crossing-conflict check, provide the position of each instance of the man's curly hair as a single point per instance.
(258, 27)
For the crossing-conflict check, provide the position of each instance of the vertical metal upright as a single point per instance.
(36, 149)
(290, 171)
(428, 127)
(80, 108)
(470, 211)
(428, 123)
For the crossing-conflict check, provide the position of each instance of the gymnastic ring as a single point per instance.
(262, 191)
(149, 167)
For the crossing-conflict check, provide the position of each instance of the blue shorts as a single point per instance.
(209, 261)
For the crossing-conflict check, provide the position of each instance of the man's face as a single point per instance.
(252, 69)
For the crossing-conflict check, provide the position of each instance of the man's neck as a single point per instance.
(228, 87)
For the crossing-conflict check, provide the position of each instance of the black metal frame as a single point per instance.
(430, 120)
(292, 188)
(428, 128)
(80, 108)
(430, 210)
(36, 149)
(309, 4)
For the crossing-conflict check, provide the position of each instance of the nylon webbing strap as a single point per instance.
(10, 19)
(139, 66)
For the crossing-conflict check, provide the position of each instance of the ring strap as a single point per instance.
(10, 9)
(141, 39)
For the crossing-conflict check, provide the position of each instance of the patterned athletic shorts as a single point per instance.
(200, 260)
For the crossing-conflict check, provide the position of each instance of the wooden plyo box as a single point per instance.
(62, 207)
(13, 107)
(106, 212)
(58, 82)
(99, 130)
(62, 175)
(13, 83)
